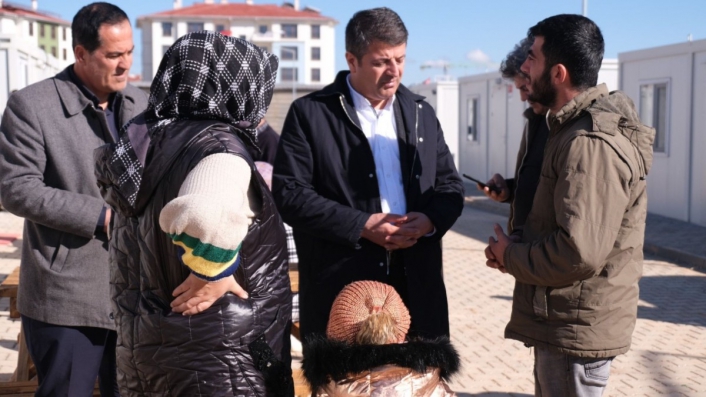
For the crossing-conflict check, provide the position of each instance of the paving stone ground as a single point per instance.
(668, 356)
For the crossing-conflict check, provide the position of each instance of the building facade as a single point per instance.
(303, 39)
(33, 46)
(38, 29)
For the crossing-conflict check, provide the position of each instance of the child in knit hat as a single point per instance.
(365, 351)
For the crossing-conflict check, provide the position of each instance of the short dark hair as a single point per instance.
(575, 42)
(377, 24)
(88, 21)
(510, 66)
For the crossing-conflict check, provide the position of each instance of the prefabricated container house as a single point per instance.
(491, 122)
(443, 97)
(668, 86)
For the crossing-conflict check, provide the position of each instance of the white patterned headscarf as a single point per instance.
(204, 75)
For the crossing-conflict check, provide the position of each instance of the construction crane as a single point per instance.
(444, 65)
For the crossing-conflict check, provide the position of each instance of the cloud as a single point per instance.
(481, 60)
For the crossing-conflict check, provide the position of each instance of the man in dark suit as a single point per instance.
(364, 177)
(49, 131)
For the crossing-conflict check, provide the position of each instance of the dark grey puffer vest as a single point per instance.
(236, 347)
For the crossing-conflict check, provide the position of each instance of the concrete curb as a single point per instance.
(680, 257)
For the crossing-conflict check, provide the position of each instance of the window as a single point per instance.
(192, 27)
(31, 28)
(41, 46)
(289, 31)
(288, 74)
(315, 31)
(654, 99)
(263, 29)
(64, 54)
(63, 33)
(41, 30)
(53, 52)
(315, 75)
(220, 27)
(288, 53)
(472, 120)
(165, 48)
(315, 53)
(53, 31)
(166, 29)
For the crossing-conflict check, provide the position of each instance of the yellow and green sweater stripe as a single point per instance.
(206, 261)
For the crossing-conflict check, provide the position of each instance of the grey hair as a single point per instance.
(377, 24)
(510, 67)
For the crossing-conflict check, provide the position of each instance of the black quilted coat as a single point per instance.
(236, 347)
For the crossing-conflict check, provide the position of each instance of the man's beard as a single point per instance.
(543, 91)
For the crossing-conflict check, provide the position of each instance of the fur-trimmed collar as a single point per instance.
(326, 360)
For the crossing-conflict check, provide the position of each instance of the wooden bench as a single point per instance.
(25, 370)
(294, 281)
(8, 289)
(301, 386)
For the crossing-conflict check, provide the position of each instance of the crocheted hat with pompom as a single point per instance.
(357, 304)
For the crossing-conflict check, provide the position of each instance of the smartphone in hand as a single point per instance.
(494, 189)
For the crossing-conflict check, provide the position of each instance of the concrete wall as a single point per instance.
(677, 181)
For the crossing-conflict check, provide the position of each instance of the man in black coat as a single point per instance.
(267, 141)
(364, 177)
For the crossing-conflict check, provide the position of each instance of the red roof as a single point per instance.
(8, 9)
(238, 10)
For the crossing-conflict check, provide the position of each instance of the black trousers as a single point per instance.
(69, 359)
(397, 278)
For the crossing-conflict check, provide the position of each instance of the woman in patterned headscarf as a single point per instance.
(201, 291)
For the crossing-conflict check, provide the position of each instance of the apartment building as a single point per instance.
(303, 39)
(40, 29)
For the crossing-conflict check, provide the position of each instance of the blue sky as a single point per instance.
(474, 35)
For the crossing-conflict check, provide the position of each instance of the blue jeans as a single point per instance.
(561, 375)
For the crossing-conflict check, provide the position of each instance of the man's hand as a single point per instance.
(412, 227)
(195, 295)
(495, 251)
(491, 262)
(379, 227)
(499, 183)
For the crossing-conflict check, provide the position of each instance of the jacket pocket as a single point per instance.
(61, 251)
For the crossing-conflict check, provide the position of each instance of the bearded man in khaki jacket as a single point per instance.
(579, 261)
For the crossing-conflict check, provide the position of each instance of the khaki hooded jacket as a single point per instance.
(580, 259)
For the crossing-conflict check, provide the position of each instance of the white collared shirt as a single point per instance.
(381, 130)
